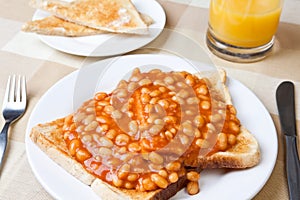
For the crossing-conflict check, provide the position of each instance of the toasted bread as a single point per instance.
(53, 25)
(117, 16)
(243, 154)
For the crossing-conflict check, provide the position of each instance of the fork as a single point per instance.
(14, 105)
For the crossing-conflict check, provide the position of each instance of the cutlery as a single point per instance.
(14, 105)
(286, 107)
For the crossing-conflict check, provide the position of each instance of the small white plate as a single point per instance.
(108, 44)
(223, 184)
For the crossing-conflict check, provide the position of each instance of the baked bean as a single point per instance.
(117, 182)
(169, 135)
(162, 89)
(102, 119)
(82, 155)
(90, 110)
(169, 80)
(128, 185)
(231, 139)
(173, 177)
(192, 187)
(173, 130)
(158, 82)
(155, 93)
(86, 138)
(216, 118)
(122, 84)
(116, 114)
(103, 103)
(234, 128)
(111, 134)
(148, 108)
(104, 128)
(152, 118)
(124, 171)
(73, 146)
(132, 177)
(78, 117)
(158, 121)
(132, 86)
(145, 81)
(134, 147)
(193, 176)
(159, 109)
(135, 78)
(156, 158)
(92, 126)
(184, 139)
(211, 127)
(100, 96)
(133, 127)
(155, 129)
(164, 103)
(124, 108)
(88, 119)
(148, 184)
(122, 139)
(232, 109)
(189, 79)
(181, 84)
(183, 94)
(145, 98)
(197, 133)
(130, 114)
(222, 141)
(154, 100)
(159, 180)
(192, 100)
(202, 143)
(105, 142)
(202, 90)
(155, 71)
(104, 151)
(145, 90)
(108, 109)
(173, 166)
(163, 173)
(187, 128)
(205, 105)
(170, 119)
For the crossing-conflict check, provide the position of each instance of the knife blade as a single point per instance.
(285, 98)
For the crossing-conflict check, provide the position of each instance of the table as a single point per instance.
(23, 53)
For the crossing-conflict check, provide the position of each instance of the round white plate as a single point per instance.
(223, 184)
(108, 44)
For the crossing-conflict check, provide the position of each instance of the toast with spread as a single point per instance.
(53, 25)
(151, 136)
(116, 16)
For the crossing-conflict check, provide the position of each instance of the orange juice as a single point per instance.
(244, 23)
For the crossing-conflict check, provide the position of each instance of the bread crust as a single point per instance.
(246, 153)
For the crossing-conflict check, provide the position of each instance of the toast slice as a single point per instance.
(243, 153)
(53, 25)
(117, 16)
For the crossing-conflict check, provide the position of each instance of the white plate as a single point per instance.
(108, 44)
(215, 184)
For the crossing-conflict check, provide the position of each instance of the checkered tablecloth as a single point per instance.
(24, 53)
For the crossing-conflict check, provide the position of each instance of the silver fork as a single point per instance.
(14, 105)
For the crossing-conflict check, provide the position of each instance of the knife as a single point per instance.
(285, 98)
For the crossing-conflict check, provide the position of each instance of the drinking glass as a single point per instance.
(242, 30)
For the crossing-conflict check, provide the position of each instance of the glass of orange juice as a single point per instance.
(242, 30)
